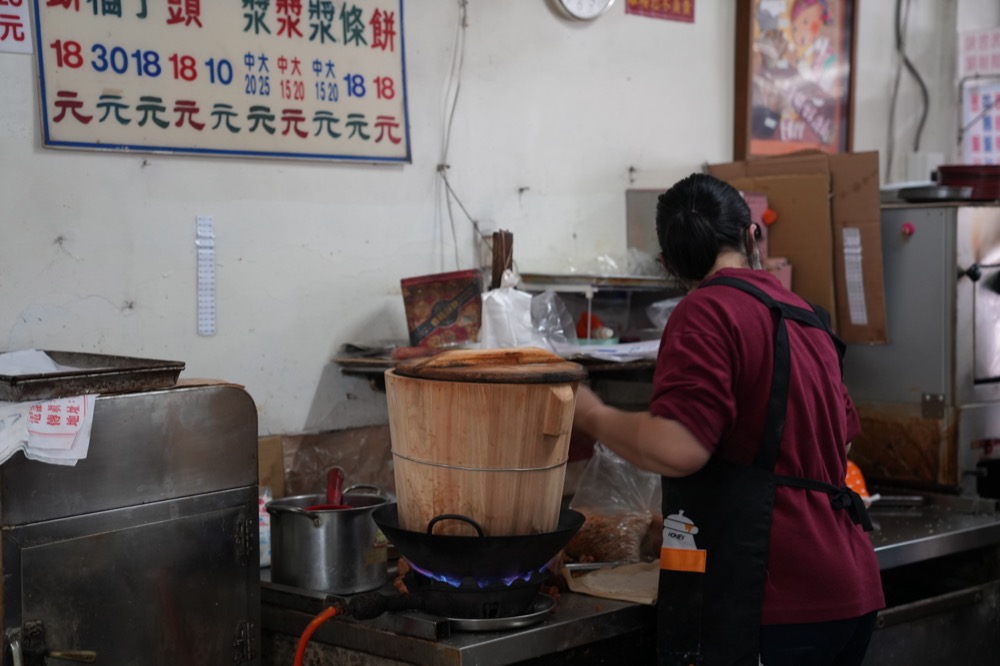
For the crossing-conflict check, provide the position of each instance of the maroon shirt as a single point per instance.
(713, 375)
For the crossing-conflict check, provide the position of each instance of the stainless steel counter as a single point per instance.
(942, 525)
(577, 621)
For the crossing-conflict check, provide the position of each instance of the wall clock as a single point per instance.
(584, 10)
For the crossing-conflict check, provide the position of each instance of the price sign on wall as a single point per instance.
(312, 79)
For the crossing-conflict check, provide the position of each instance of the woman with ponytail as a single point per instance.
(765, 556)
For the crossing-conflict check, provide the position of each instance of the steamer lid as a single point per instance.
(517, 365)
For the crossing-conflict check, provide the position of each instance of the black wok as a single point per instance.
(479, 557)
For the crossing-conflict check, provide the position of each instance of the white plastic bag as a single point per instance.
(506, 318)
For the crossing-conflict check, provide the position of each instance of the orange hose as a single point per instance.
(300, 652)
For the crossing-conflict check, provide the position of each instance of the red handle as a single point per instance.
(334, 485)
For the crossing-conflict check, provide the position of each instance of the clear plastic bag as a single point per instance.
(660, 311)
(622, 505)
(552, 319)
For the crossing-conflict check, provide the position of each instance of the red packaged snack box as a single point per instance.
(443, 309)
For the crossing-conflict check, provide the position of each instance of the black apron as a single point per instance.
(710, 597)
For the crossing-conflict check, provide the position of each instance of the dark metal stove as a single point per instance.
(576, 627)
(471, 600)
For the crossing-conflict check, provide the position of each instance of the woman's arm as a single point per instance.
(659, 445)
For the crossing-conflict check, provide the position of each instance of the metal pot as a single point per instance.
(340, 551)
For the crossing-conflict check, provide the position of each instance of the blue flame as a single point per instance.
(482, 583)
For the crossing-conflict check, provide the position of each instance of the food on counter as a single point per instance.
(402, 568)
(611, 538)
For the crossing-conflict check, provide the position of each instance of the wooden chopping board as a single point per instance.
(637, 583)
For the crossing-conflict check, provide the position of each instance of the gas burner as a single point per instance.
(481, 581)
(474, 599)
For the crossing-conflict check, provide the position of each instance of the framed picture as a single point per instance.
(794, 76)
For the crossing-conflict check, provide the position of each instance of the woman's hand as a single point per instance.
(657, 444)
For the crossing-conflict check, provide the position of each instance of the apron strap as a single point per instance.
(840, 498)
(818, 317)
(777, 401)
(774, 424)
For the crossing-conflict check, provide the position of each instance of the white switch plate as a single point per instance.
(205, 247)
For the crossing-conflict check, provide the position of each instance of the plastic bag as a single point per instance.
(660, 311)
(622, 505)
(552, 319)
(506, 317)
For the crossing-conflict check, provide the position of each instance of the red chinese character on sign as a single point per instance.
(65, 4)
(289, 17)
(383, 30)
(68, 102)
(186, 109)
(385, 126)
(670, 10)
(35, 414)
(73, 420)
(292, 119)
(184, 11)
(11, 28)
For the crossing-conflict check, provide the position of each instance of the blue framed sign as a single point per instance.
(300, 79)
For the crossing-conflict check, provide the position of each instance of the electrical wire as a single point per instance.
(911, 68)
(300, 651)
(452, 92)
(891, 138)
(902, 15)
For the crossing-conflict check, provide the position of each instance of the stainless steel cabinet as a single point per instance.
(144, 553)
(930, 397)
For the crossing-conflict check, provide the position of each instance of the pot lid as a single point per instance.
(516, 365)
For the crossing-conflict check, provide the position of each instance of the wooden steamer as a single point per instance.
(483, 434)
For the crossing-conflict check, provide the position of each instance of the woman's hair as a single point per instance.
(696, 219)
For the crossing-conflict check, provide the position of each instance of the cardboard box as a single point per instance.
(801, 233)
(271, 465)
(829, 228)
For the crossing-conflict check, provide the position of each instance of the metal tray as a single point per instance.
(96, 373)
(608, 282)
